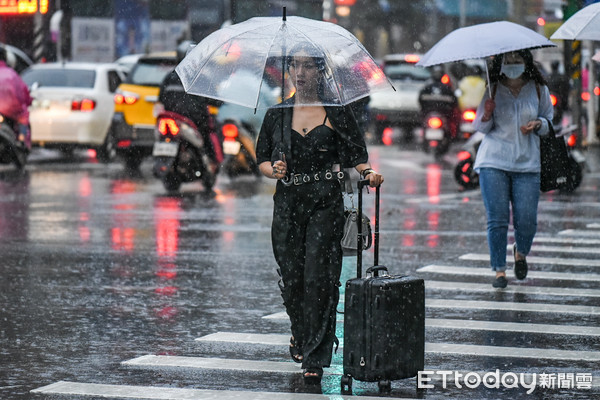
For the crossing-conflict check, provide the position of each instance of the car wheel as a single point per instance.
(107, 152)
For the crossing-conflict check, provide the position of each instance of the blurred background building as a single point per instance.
(102, 30)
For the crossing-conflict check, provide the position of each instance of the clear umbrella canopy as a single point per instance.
(260, 47)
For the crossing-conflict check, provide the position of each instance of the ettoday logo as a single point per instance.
(508, 380)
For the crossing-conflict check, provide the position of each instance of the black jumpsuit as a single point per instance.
(307, 228)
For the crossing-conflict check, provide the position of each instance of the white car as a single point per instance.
(73, 105)
(400, 107)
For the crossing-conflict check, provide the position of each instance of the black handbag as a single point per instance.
(555, 164)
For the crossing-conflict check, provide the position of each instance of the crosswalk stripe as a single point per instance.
(441, 323)
(212, 363)
(545, 308)
(512, 352)
(580, 232)
(473, 271)
(168, 393)
(565, 240)
(531, 290)
(538, 260)
(563, 249)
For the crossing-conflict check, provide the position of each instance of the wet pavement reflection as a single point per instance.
(101, 266)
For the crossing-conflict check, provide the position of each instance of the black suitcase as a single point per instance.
(384, 321)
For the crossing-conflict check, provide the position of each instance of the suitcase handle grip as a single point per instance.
(362, 183)
(375, 270)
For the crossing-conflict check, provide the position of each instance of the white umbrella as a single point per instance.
(483, 40)
(583, 25)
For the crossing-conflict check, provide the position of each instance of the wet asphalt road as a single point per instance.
(99, 267)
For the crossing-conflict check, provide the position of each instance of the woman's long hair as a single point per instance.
(532, 73)
(317, 57)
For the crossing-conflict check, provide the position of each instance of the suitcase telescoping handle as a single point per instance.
(359, 245)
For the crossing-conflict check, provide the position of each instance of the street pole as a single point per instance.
(463, 13)
(592, 138)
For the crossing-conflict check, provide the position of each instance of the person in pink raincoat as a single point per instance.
(14, 99)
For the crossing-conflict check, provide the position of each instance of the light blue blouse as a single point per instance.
(504, 146)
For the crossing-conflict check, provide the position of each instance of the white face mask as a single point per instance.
(513, 71)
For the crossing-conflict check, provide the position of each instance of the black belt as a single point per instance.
(301, 179)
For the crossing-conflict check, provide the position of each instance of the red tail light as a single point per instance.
(572, 140)
(445, 79)
(125, 98)
(386, 138)
(168, 125)
(230, 131)
(597, 91)
(83, 105)
(412, 58)
(463, 155)
(434, 122)
(553, 99)
(469, 115)
(585, 96)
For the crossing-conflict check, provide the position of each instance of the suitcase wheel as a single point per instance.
(346, 383)
(385, 386)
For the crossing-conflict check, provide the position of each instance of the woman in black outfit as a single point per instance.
(308, 215)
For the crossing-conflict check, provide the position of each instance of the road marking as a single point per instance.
(164, 393)
(212, 363)
(565, 240)
(546, 308)
(532, 290)
(511, 352)
(562, 249)
(538, 260)
(580, 232)
(472, 271)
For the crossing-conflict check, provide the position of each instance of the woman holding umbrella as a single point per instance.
(513, 114)
(301, 142)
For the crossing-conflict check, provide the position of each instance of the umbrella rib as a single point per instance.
(229, 39)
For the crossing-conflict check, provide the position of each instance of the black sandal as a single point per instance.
(295, 350)
(312, 376)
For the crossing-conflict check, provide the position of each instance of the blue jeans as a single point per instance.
(500, 189)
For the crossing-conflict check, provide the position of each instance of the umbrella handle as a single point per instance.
(487, 75)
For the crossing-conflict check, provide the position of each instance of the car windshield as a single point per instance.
(60, 77)
(407, 71)
(150, 73)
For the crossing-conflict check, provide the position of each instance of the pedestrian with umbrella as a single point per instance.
(302, 136)
(513, 118)
(513, 114)
(308, 216)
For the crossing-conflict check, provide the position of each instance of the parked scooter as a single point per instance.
(239, 149)
(12, 150)
(180, 154)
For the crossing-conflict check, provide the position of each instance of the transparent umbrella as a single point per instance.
(260, 46)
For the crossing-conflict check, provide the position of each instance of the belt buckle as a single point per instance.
(297, 180)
